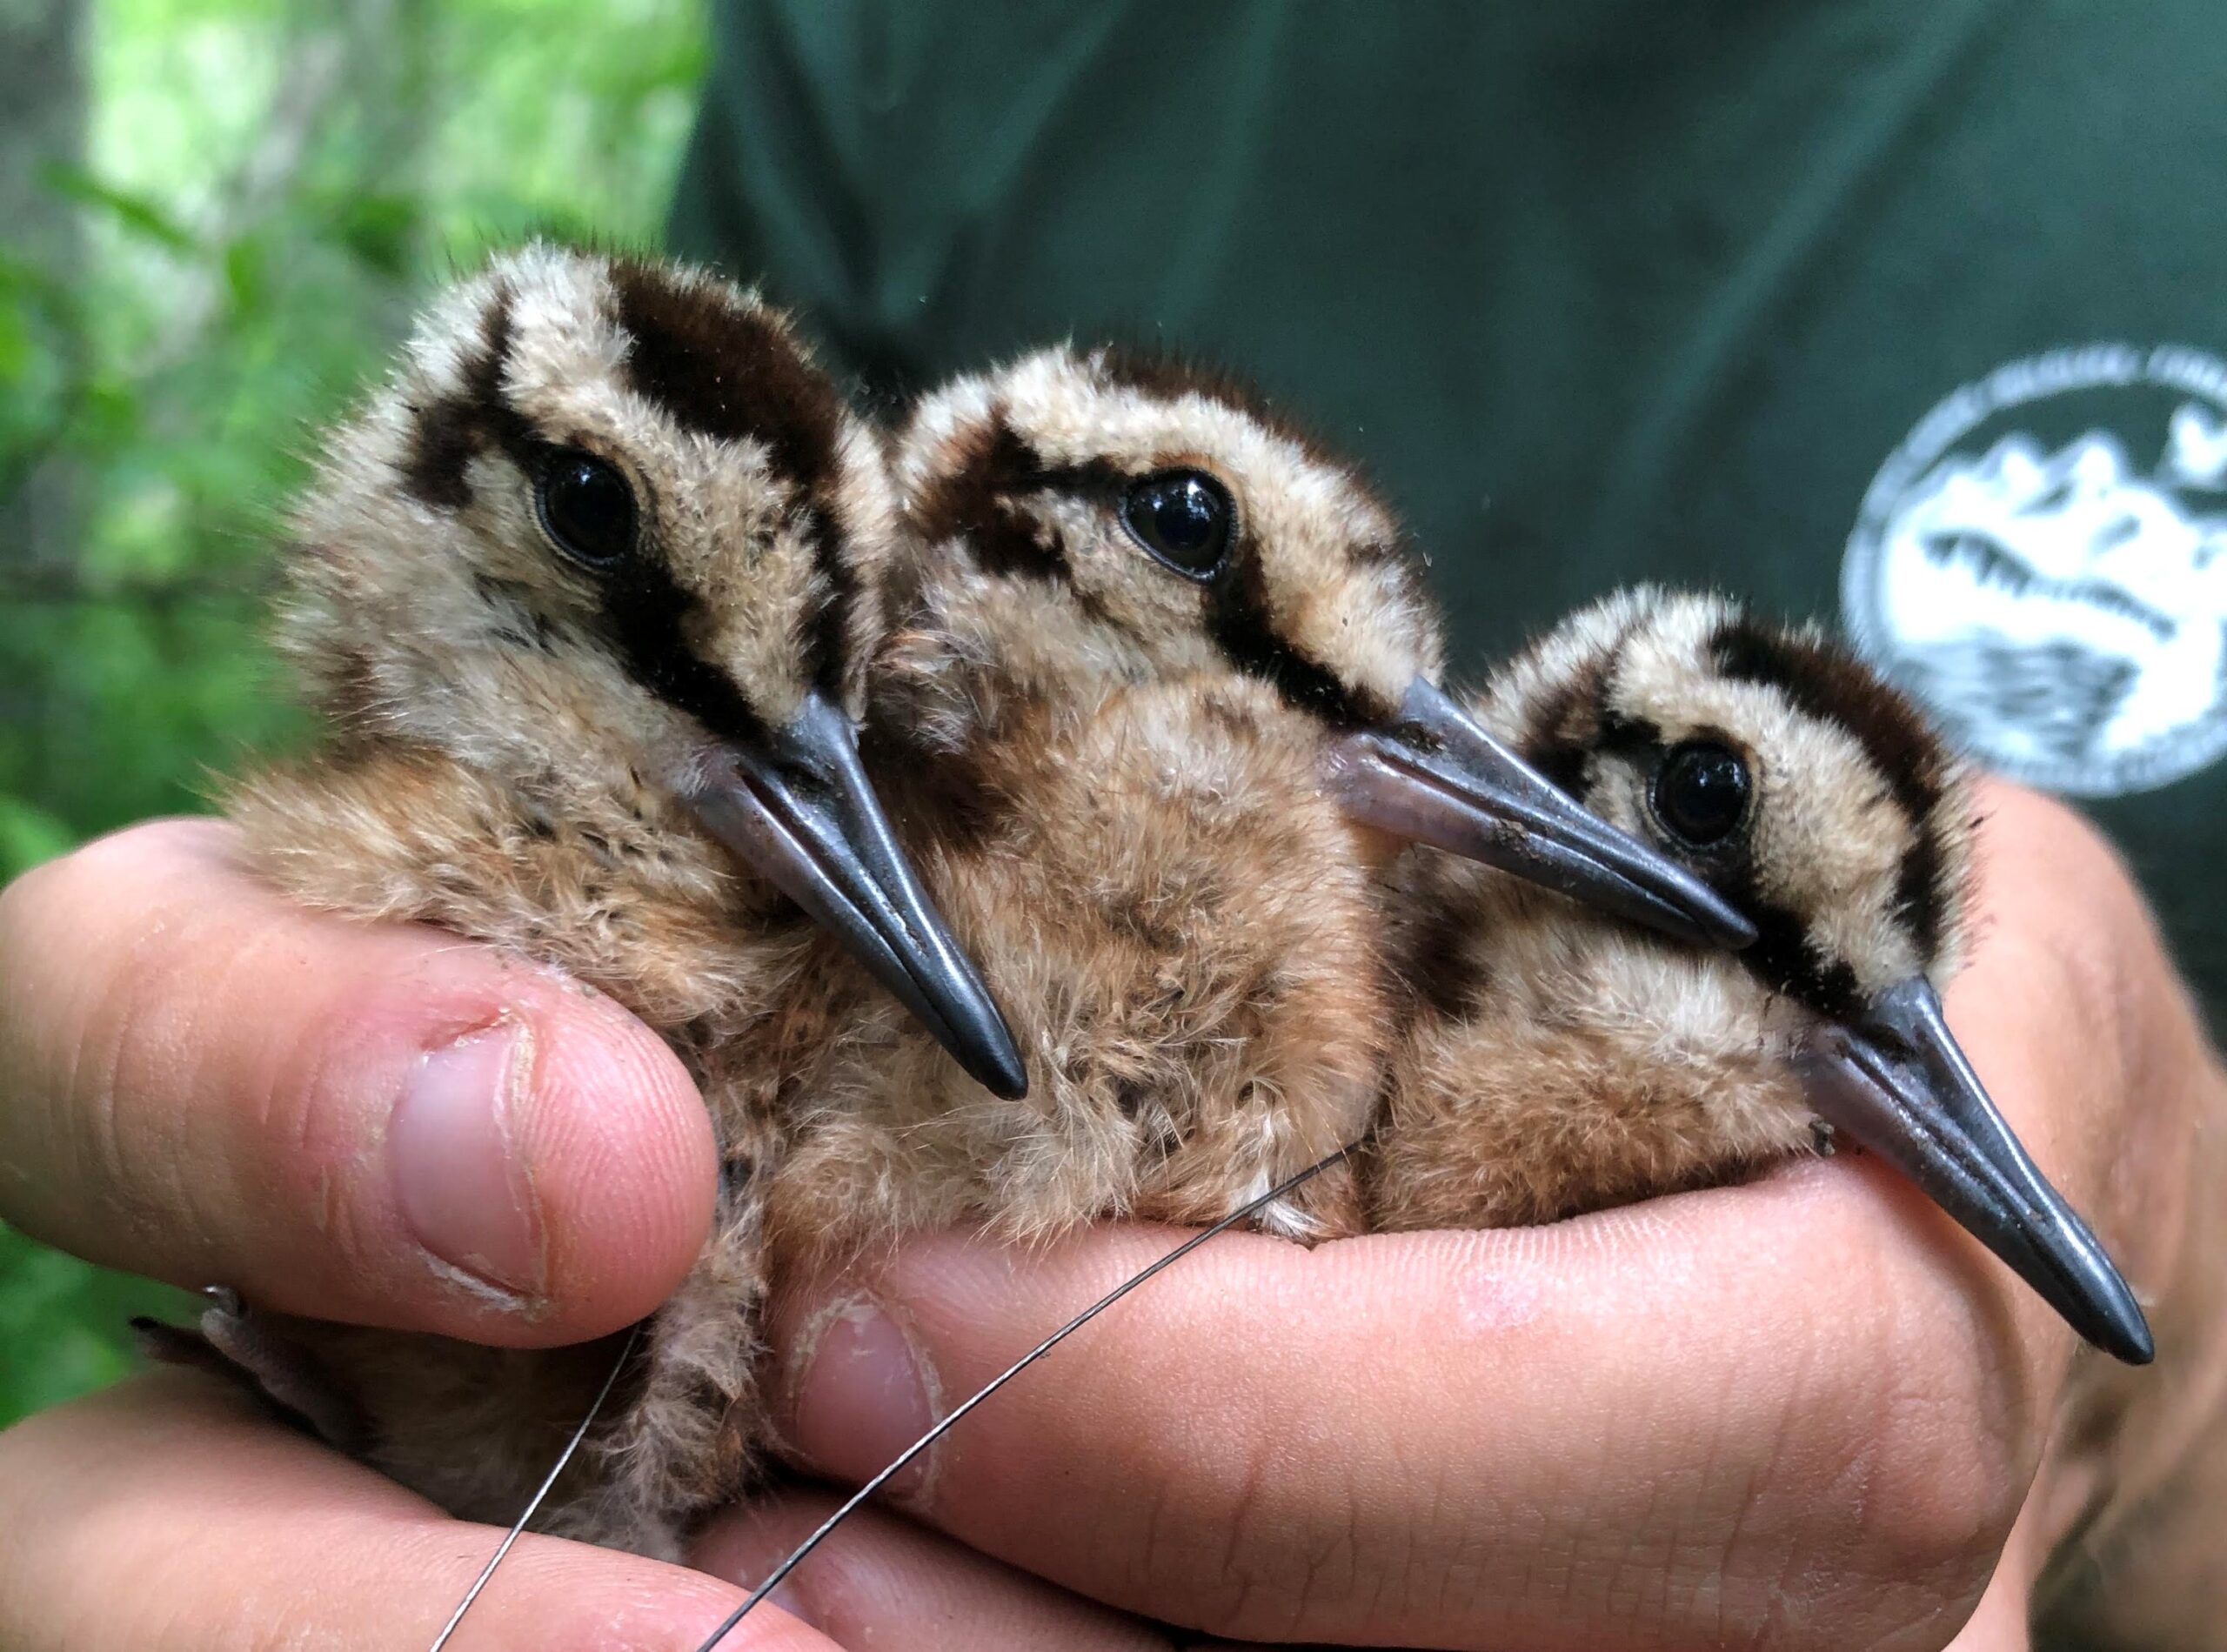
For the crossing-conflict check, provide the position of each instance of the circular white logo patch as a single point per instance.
(2056, 594)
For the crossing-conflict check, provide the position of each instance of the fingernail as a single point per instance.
(457, 1176)
(865, 1396)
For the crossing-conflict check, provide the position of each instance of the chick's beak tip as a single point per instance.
(798, 807)
(1898, 1084)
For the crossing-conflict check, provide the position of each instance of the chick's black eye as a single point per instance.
(586, 508)
(1700, 792)
(1182, 517)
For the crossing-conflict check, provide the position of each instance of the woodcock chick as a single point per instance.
(587, 594)
(1156, 710)
(1558, 1062)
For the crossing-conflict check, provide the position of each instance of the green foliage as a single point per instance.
(64, 1323)
(267, 188)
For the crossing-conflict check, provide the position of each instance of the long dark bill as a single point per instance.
(1434, 776)
(1899, 1085)
(800, 810)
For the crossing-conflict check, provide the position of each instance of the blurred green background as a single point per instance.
(215, 219)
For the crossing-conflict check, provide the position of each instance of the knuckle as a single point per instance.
(35, 906)
(1940, 1473)
(30, 892)
(1908, 1433)
(75, 998)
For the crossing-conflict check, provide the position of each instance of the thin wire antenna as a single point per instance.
(533, 1503)
(896, 1466)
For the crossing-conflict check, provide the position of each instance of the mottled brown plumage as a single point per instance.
(1158, 709)
(1559, 1062)
(1183, 930)
(526, 710)
(1109, 770)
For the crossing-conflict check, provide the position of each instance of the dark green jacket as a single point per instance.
(1908, 314)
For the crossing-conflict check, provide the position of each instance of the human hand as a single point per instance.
(201, 1082)
(169, 1513)
(1807, 1390)
(1808, 1412)
(206, 1084)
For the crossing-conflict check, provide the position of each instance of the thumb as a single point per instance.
(202, 1082)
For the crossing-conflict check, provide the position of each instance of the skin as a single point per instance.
(1806, 1413)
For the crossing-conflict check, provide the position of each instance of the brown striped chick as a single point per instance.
(1157, 708)
(1559, 1062)
(587, 594)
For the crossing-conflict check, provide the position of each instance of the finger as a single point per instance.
(201, 1082)
(2145, 1159)
(880, 1580)
(1810, 1407)
(166, 1516)
(2068, 966)
(1999, 1625)
(2002, 1622)
(1796, 1408)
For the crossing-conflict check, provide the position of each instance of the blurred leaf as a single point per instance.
(134, 212)
(28, 835)
(380, 230)
(108, 413)
(244, 274)
(79, 1317)
(15, 341)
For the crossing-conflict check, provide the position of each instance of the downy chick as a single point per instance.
(587, 594)
(1157, 708)
(1558, 1062)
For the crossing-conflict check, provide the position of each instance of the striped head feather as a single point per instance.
(1089, 517)
(604, 511)
(1837, 817)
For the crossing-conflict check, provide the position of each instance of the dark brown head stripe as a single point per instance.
(1831, 685)
(1165, 377)
(1920, 901)
(1576, 719)
(643, 606)
(449, 432)
(1240, 619)
(728, 370)
(734, 372)
(831, 627)
(970, 502)
(440, 447)
(1781, 955)
(1827, 683)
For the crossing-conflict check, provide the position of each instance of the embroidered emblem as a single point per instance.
(2053, 591)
